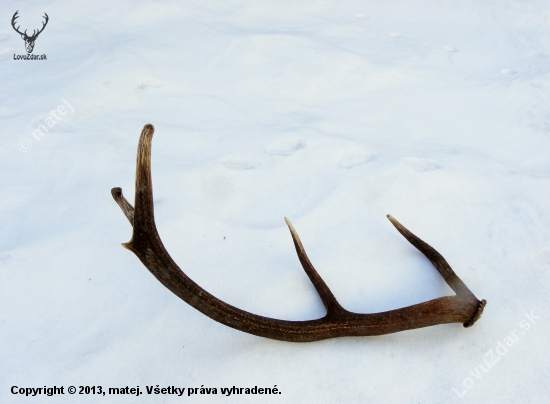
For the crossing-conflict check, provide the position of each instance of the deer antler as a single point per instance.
(34, 33)
(29, 40)
(464, 307)
(46, 18)
(15, 17)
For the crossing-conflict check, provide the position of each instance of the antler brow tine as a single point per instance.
(463, 308)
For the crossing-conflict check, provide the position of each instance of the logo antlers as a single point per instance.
(29, 40)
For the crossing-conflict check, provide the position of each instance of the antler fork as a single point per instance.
(464, 307)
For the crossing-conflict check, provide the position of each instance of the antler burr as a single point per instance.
(146, 244)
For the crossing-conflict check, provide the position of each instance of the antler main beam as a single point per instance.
(464, 307)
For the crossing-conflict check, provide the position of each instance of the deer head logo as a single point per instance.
(29, 40)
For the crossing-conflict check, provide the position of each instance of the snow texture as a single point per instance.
(331, 113)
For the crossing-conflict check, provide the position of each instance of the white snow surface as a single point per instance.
(331, 113)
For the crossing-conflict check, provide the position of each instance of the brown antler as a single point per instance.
(338, 322)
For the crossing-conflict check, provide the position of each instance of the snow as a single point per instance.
(332, 114)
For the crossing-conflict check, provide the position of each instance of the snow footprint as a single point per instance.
(352, 159)
(284, 147)
(420, 164)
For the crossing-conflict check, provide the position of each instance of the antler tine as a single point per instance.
(338, 322)
(44, 23)
(35, 32)
(436, 259)
(125, 206)
(15, 17)
(330, 302)
(443, 268)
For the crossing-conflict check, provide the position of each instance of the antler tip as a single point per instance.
(294, 235)
(291, 228)
(147, 133)
(128, 246)
(116, 192)
(393, 220)
(127, 209)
